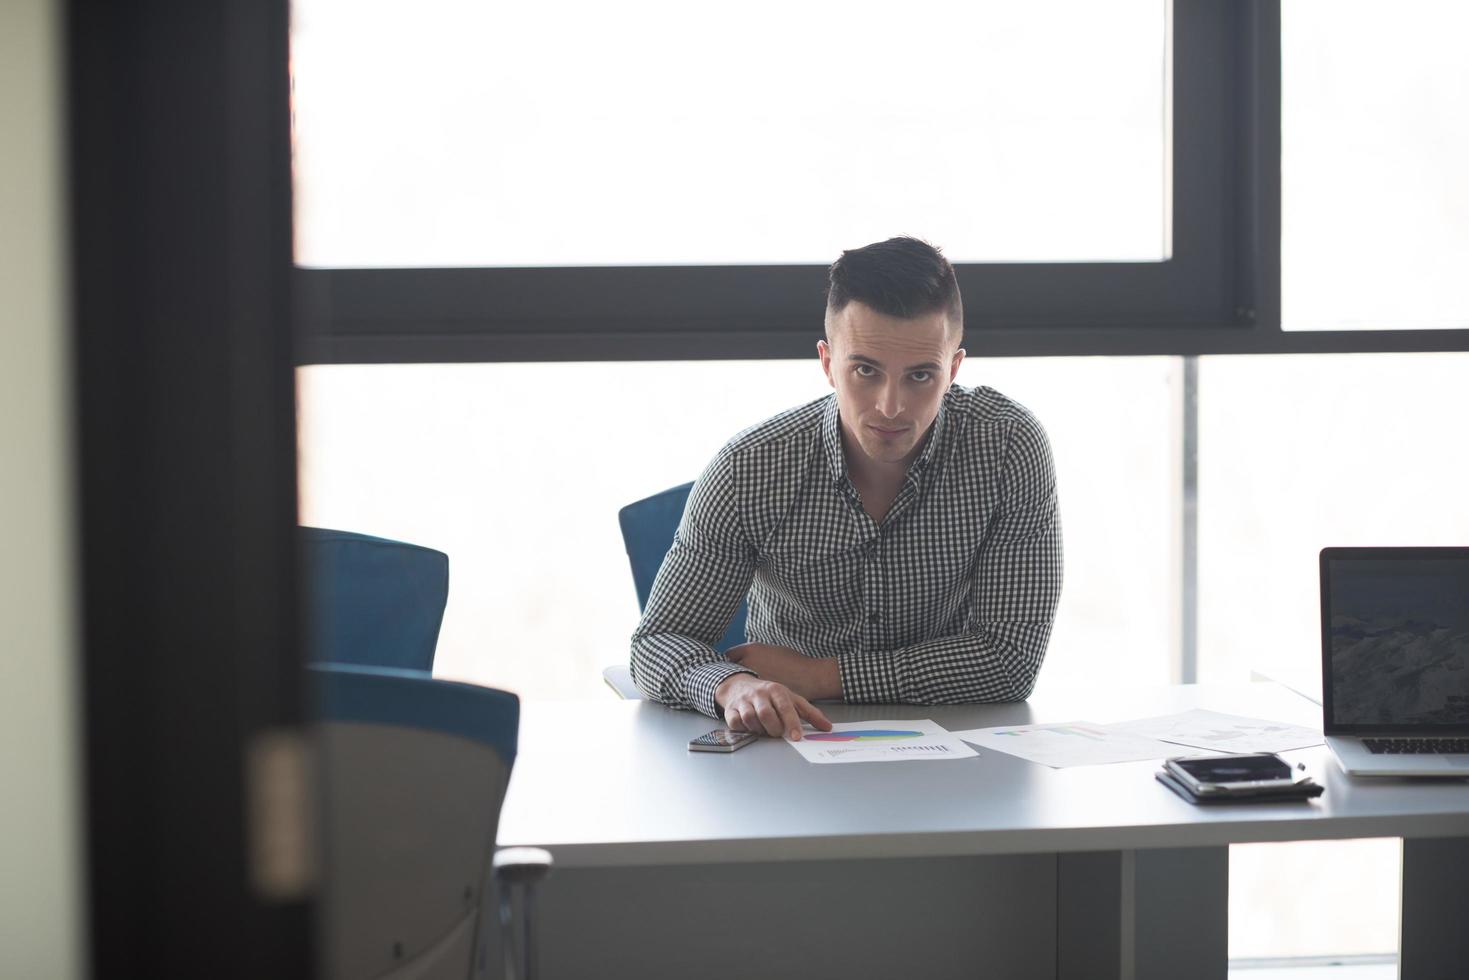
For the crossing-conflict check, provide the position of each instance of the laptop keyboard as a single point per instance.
(1416, 746)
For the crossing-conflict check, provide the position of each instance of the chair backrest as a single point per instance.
(415, 770)
(373, 601)
(648, 526)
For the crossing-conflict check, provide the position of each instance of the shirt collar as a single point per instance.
(831, 441)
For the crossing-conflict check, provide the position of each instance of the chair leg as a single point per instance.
(509, 935)
(517, 870)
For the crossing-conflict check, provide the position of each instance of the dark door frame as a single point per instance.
(180, 207)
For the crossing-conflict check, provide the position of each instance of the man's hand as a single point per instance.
(765, 707)
(810, 677)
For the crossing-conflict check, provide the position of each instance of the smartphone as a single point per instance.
(721, 740)
(1246, 772)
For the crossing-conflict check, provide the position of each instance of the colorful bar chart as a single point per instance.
(863, 735)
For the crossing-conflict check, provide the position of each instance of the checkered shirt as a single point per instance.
(949, 600)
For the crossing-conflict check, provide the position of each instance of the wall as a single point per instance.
(40, 884)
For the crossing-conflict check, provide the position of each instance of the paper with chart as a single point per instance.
(1075, 743)
(1218, 732)
(881, 741)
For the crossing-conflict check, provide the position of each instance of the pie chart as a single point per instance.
(864, 735)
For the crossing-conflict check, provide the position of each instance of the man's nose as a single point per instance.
(889, 400)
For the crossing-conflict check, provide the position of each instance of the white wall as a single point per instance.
(40, 885)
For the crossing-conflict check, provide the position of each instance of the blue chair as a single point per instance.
(648, 526)
(371, 600)
(415, 770)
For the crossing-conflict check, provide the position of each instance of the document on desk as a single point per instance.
(881, 741)
(1076, 743)
(1218, 732)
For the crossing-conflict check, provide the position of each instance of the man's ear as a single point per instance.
(823, 351)
(954, 365)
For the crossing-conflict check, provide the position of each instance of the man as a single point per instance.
(899, 540)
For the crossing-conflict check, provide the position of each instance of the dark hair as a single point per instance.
(902, 277)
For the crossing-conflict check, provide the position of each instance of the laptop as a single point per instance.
(1395, 660)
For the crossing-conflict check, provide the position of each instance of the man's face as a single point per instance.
(890, 375)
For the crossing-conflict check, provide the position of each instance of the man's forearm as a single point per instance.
(679, 671)
(819, 678)
(810, 677)
(999, 663)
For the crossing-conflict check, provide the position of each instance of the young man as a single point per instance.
(898, 540)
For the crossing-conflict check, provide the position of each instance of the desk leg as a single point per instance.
(1143, 915)
(1435, 941)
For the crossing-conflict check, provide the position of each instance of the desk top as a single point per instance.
(607, 783)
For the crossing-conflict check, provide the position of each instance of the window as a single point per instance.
(654, 132)
(1375, 145)
(1332, 901)
(1298, 453)
(475, 187)
(517, 472)
(1295, 454)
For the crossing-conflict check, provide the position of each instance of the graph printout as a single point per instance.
(1203, 729)
(881, 741)
(1076, 743)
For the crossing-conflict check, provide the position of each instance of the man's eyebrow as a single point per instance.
(925, 366)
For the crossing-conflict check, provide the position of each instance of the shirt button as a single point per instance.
(873, 617)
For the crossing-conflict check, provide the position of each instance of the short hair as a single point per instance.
(902, 277)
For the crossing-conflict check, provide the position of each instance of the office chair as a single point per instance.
(648, 526)
(373, 601)
(415, 770)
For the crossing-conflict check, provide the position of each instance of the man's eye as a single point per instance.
(921, 376)
(864, 370)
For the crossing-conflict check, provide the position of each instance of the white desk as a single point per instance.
(1007, 868)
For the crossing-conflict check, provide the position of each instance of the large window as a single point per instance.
(1297, 453)
(657, 132)
(517, 472)
(1303, 452)
(1375, 132)
(482, 182)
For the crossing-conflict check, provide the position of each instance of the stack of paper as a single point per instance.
(1083, 743)
(1075, 743)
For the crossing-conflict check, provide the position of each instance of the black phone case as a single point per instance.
(1305, 789)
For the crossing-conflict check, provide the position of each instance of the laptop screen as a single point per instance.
(1395, 628)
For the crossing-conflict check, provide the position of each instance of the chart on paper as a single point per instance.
(1076, 743)
(881, 741)
(865, 735)
(1218, 732)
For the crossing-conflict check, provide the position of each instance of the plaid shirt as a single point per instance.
(949, 600)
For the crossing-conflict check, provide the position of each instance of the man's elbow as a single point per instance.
(1022, 685)
(1023, 658)
(642, 678)
(1020, 678)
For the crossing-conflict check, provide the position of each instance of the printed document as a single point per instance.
(1076, 743)
(881, 741)
(1218, 732)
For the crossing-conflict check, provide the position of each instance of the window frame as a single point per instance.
(1219, 293)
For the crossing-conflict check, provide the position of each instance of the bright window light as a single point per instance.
(1297, 453)
(648, 132)
(517, 471)
(1375, 153)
